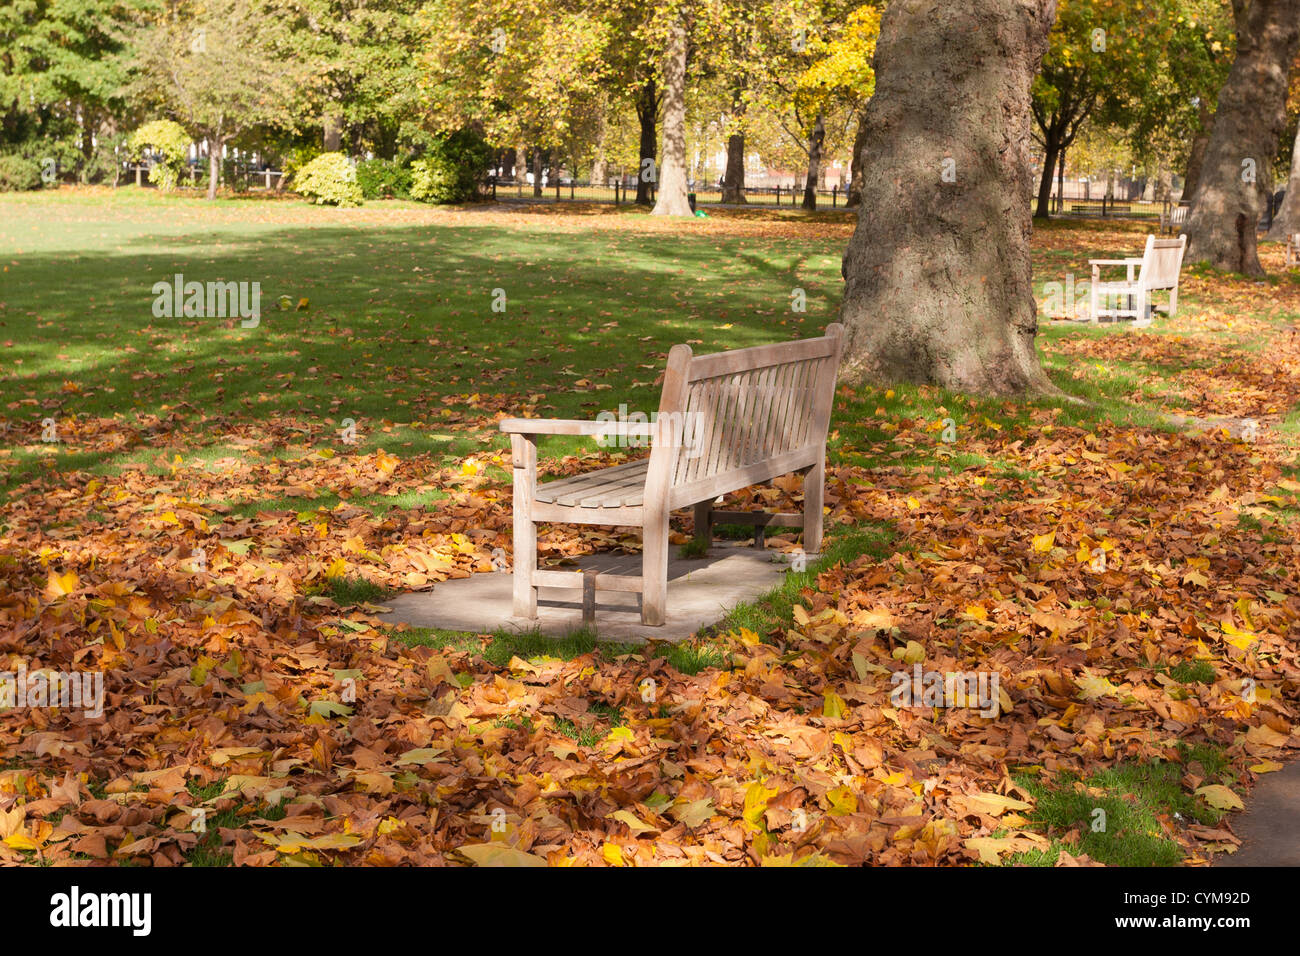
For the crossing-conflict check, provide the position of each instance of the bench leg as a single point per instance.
(524, 453)
(525, 563)
(654, 569)
(814, 493)
(704, 522)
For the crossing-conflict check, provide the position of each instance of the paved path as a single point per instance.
(1270, 827)
(700, 592)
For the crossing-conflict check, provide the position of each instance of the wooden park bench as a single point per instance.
(1174, 218)
(1293, 251)
(1156, 270)
(726, 421)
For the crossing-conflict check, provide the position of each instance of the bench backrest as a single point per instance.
(1161, 262)
(735, 418)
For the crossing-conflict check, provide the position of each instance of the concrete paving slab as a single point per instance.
(700, 592)
(1270, 828)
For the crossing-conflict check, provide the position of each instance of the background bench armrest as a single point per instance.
(572, 426)
(1113, 262)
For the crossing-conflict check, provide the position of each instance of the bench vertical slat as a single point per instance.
(523, 452)
(663, 461)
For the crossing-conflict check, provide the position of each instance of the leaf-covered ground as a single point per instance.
(201, 535)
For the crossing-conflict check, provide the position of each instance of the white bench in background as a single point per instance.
(1293, 251)
(1174, 218)
(1157, 270)
(748, 416)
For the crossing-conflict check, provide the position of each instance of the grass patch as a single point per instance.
(209, 851)
(1132, 797)
(775, 609)
(351, 590)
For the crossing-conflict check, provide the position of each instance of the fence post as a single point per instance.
(557, 190)
(835, 192)
(778, 194)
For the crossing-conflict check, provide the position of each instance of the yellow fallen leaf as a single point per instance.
(496, 854)
(833, 705)
(992, 804)
(61, 584)
(635, 824)
(1266, 766)
(1220, 797)
(613, 854)
(1043, 542)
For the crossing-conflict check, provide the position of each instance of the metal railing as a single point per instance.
(190, 179)
(619, 192)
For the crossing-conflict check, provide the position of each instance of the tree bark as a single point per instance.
(857, 164)
(647, 106)
(1196, 155)
(815, 143)
(938, 284)
(733, 182)
(1249, 119)
(599, 167)
(537, 172)
(215, 144)
(332, 135)
(1044, 207)
(672, 199)
(1287, 221)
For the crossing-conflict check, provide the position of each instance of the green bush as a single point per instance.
(17, 174)
(452, 169)
(170, 140)
(329, 180)
(384, 179)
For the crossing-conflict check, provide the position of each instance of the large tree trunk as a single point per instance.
(521, 164)
(537, 172)
(598, 164)
(814, 163)
(647, 107)
(1287, 221)
(1196, 155)
(856, 165)
(733, 182)
(938, 287)
(215, 144)
(1052, 149)
(672, 199)
(1250, 117)
(332, 135)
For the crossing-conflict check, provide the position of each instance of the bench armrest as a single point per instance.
(572, 426)
(1113, 262)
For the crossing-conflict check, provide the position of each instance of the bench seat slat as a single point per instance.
(619, 486)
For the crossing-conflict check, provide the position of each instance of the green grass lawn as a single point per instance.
(398, 333)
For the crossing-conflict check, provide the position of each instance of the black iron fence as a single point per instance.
(619, 192)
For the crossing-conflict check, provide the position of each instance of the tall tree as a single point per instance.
(1286, 221)
(1247, 126)
(672, 199)
(221, 68)
(937, 272)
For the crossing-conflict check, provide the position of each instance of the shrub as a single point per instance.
(384, 179)
(452, 168)
(329, 179)
(17, 174)
(170, 142)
